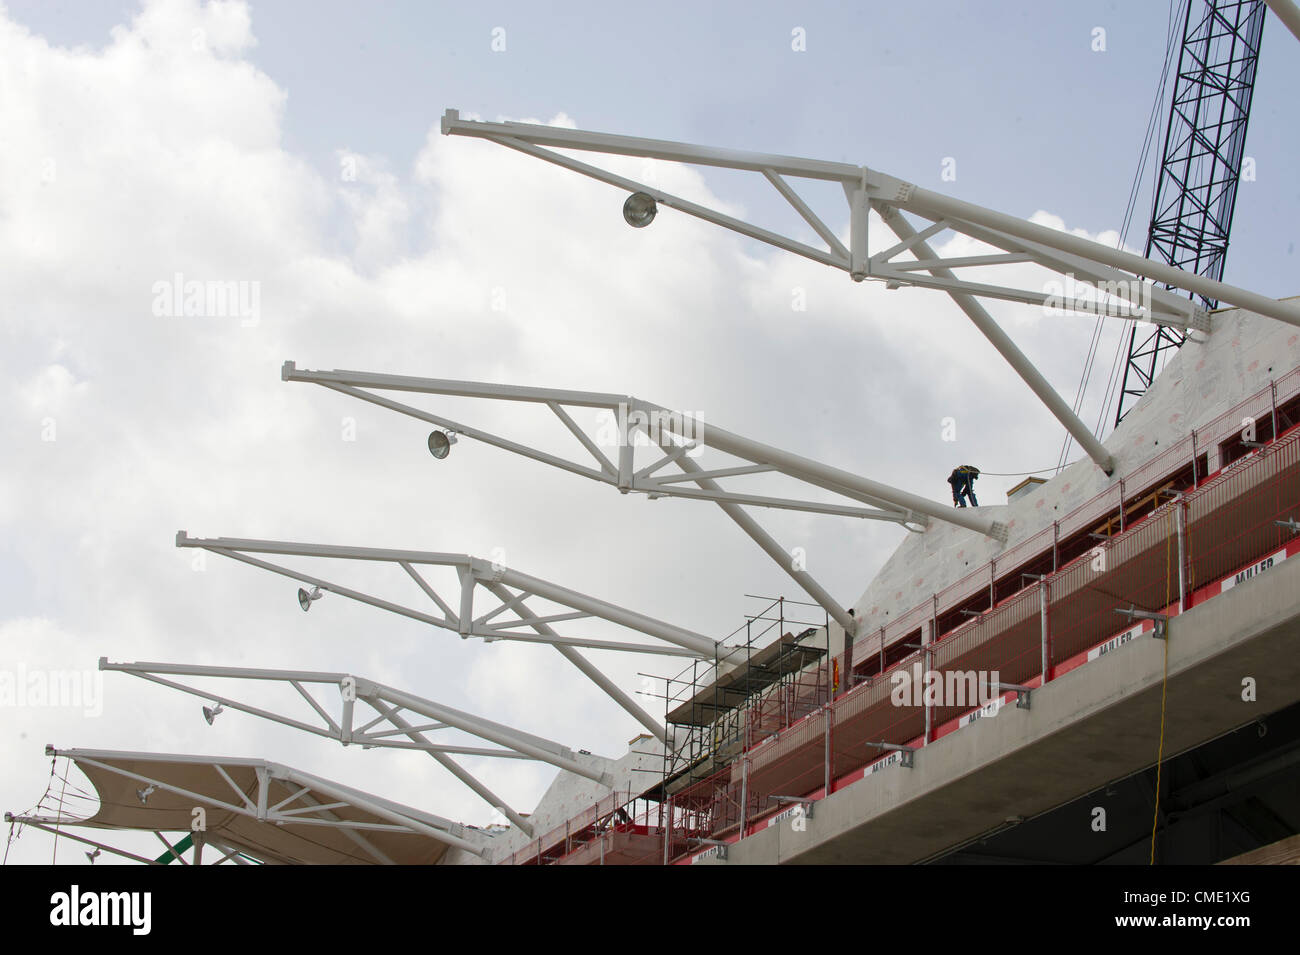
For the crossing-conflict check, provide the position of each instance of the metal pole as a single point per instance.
(828, 720)
(744, 793)
(926, 739)
(1272, 397)
(1121, 505)
(1046, 637)
(537, 748)
(668, 827)
(1195, 476)
(695, 642)
(929, 661)
(1288, 13)
(929, 203)
(487, 795)
(1182, 585)
(814, 471)
(585, 666)
(999, 339)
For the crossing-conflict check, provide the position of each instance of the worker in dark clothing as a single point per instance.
(958, 482)
(962, 480)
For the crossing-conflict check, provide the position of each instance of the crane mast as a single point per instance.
(1200, 165)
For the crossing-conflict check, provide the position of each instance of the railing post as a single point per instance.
(1181, 521)
(1272, 399)
(1056, 534)
(1195, 476)
(744, 792)
(668, 828)
(1043, 601)
(846, 656)
(829, 721)
(927, 641)
(1122, 508)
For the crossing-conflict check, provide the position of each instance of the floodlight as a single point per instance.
(144, 794)
(304, 600)
(440, 443)
(210, 713)
(639, 210)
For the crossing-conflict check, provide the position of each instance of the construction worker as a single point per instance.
(962, 480)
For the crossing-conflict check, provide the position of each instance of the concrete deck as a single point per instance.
(1097, 723)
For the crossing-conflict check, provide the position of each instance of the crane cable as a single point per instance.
(1113, 386)
(1086, 374)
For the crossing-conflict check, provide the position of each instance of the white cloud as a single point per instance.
(159, 154)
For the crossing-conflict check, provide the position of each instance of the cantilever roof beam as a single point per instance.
(1125, 282)
(473, 572)
(877, 187)
(345, 731)
(1002, 342)
(396, 818)
(505, 585)
(389, 704)
(353, 383)
(891, 503)
(632, 415)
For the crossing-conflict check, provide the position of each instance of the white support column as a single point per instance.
(935, 204)
(466, 615)
(587, 668)
(1288, 13)
(801, 467)
(1044, 623)
(774, 550)
(453, 767)
(695, 642)
(1005, 346)
(859, 216)
(544, 750)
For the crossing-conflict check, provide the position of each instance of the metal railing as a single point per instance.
(1167, 562)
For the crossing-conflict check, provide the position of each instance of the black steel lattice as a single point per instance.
(1196, 187)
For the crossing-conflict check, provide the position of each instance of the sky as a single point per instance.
(293, 149)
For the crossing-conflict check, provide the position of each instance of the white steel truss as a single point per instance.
(311, 804)
(509, 590)
(1288, 13)
(388, 706)
(675, 434)
(1122, 283)
(60, 829)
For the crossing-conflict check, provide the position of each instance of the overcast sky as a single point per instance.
(294, 147)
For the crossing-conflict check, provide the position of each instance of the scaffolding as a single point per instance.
(714, 712)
